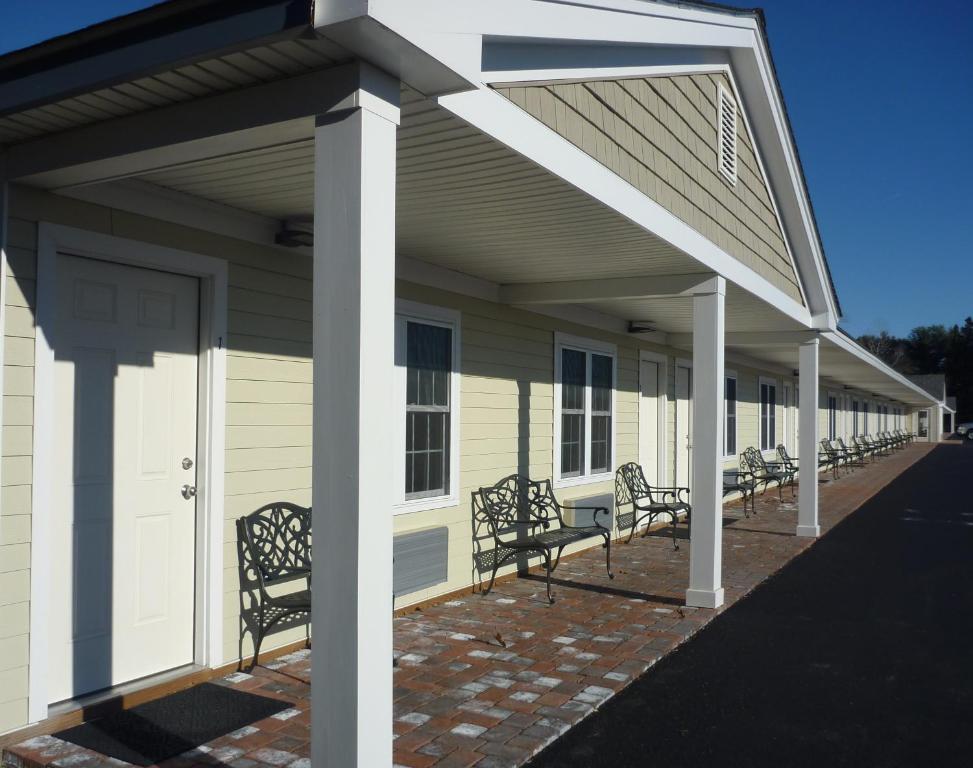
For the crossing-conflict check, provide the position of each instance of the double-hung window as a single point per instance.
(427, 391)
(768, 414)
(730, 416)
(854, 418)
(584, 442)
(832, 417)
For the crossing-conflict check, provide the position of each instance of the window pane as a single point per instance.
(572, 427)
(601, 383)
(429, 360)
(600, 431)
(573, 379)
(731, 436)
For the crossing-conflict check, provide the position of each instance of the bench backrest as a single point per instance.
(519, 501)
(753, 460)
(783, 454)
(631, 485)
(278, 539)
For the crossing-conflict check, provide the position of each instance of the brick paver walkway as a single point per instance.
(489, 681)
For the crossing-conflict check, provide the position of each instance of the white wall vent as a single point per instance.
(727, 134)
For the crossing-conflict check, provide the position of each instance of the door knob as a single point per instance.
(188, 491)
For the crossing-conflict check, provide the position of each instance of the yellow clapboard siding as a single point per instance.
(248, 459)
(267, 392)
(252, 367)
(273, 436)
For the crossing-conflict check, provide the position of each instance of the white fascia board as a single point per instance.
(855, 350)
(496, 116)
(458, 24)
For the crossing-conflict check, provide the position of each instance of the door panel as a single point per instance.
(123, 537)
(650, 451)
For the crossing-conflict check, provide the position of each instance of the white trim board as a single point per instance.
(211, 440)
(662, 445)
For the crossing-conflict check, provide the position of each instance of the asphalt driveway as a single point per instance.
(858, 653)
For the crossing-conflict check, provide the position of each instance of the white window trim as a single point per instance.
(776, 385)
(837, 410)
(730, 374)
(447, 318)
(567, 341)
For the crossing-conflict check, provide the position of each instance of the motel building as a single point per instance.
(394, 251)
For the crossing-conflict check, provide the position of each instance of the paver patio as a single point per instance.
(489, 681)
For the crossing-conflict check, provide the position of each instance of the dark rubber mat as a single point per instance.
(858, 653)
(160, 729)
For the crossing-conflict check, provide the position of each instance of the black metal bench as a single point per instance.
(767, 472)
(742, 482)
(523, 516)
(855, 456)
(275, 548)
(647, 502)
(833, 458)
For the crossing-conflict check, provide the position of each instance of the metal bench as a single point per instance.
(832, 457)
(523, 516)
(767, 472)
(855, 455)
(647, 502)
(275, 548)
(742, 482)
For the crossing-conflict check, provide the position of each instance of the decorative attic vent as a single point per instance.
(727, 134)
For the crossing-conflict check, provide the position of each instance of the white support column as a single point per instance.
(807, 515)
(353, 332)
(4, 190)
(706, 529)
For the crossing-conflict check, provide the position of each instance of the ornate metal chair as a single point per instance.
(523, 516)
(767, 472)
(647, 502)
(275, 548)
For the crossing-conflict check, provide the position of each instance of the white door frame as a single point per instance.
(212, 273)
(682, 362)
(662, 447)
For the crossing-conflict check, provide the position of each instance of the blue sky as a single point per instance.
(880, 95)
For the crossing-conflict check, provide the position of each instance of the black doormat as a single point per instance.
(160, 729)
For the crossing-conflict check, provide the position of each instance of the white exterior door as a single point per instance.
(684, 425)
(126, 346)
(651, 419)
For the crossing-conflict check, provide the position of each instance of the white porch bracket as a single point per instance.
(807, 514)
(706, 529)
(582, 291)
(353, 321)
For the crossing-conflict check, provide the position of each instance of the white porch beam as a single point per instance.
(807, 514)
(353, 321)
(262, 115)
(706, 528)
(750, 339)
(581, 291)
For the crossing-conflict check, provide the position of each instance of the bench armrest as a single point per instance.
(596, 510)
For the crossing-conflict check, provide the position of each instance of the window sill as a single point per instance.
(425, 504)
(572, 482)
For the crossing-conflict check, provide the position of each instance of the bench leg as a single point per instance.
(547, 561)
(675, 523)
(608, 555)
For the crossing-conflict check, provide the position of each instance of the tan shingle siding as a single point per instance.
(659, 134)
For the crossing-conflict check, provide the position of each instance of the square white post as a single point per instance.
(706, 528)
(807, 497)
(353, 332)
